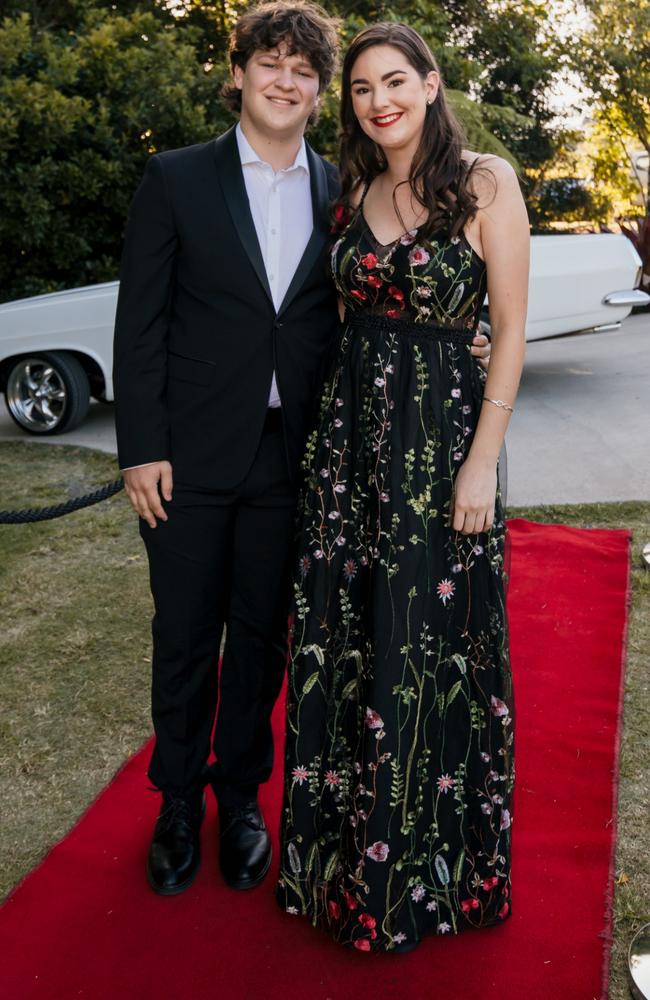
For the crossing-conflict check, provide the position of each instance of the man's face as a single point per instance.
(279, 91)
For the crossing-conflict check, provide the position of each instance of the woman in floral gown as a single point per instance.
(399, 763)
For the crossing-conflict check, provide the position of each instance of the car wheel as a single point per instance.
(47, 393)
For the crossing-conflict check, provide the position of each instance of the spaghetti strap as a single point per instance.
(358, 207)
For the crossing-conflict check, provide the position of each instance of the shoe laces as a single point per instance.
(244, 814)
(175, 809)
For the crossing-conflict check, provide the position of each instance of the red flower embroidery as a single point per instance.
(374, 281)
(362, 944)
(396, 293)
(393, 313)
(503, 912)
(366, 920)
(335, 910)
(361, 296)
(369, 261)
(469, 904)
(489, 883)
(341, 214)
(350, 901)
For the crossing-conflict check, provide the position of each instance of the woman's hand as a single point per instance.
(475, 489)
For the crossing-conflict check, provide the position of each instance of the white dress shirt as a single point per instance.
(280, 203)
(281, 207)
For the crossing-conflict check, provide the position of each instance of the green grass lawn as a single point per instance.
(75, 652)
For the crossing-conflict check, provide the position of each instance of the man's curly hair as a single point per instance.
(304, 27)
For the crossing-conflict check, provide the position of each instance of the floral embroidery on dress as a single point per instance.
(399, 760)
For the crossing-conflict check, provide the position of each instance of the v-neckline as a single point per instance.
(407, 232)
(411, 232)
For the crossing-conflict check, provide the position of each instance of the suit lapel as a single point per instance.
(231, 178)
(318, 239)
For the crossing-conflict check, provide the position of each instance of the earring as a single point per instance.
(430, 102)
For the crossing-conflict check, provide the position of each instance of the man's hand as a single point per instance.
(141, 485)
(481, 348)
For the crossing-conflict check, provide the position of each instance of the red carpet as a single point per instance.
(85, 924)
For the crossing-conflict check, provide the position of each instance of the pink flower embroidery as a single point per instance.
(377, 851)
(373, 719)
(332, 779)
(498, 707)
(418, 256)
(505, 820)
(349, 569)
(445, 590)
(300, 774)
(369, 261)
(445, 783)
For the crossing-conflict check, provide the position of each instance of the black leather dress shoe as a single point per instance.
(174, 855)
(244, 847)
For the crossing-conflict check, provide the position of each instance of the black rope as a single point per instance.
(59, 510)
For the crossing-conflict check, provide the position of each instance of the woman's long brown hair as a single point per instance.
(439, 175)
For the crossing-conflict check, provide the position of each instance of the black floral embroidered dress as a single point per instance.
(399, 757)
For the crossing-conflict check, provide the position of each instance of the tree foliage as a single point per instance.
(613, 56)
(90, 88)
(79, 114)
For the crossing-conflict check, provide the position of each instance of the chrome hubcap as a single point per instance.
(36, 394)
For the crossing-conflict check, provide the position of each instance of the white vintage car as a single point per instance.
(56, 350)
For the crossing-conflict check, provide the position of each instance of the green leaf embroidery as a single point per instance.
(309, 683)
(453, 691)
(458, 865)
(460, 662)
(312, 855)
(330, 866)
(350, 690)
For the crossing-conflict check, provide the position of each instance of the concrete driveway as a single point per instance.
(580, 432)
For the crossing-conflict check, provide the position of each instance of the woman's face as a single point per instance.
(389, 97)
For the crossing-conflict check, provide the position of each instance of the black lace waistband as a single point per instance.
(407, 328)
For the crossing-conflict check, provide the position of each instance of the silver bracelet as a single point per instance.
(499, 402)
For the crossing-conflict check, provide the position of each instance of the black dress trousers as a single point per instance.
(222, 558)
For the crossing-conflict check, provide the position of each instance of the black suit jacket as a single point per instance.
(197, 337)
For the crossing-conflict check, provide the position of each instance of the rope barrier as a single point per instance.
(60, 510)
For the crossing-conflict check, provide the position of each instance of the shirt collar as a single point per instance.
(248, 155)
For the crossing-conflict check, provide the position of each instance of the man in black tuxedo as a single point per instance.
(225, 313)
